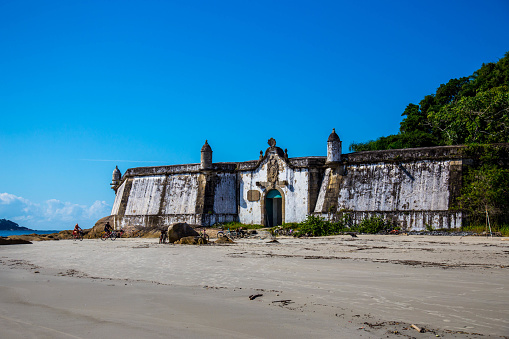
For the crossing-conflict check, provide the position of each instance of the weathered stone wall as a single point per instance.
(118, 199)
(421, 185)
(413, 188)
(155, 196)
(145, 197)
(225, 197)
(296, 202)
(180, 194)
(130, 221)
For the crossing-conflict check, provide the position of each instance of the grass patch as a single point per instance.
(502, 229)
(374, 225)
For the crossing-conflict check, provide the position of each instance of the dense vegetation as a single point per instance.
(485, 193)
(317, 226)
(472, 109)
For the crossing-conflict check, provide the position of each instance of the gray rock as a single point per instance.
(180, 230)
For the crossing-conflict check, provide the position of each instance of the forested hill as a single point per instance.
(472, 109)
(7, 225)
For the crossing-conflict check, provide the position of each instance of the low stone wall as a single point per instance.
(409, 220)
(137, 221)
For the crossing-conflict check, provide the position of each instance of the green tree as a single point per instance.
(483, 118)
(486, 189)
(465, 110)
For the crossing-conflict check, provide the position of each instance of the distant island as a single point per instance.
(7, 225)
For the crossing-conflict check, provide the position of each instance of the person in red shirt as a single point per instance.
(77, 230)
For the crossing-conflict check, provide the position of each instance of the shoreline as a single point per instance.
(335, 286)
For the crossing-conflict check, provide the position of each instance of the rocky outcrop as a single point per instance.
(180, 230)
(10, 241)
(98, 229)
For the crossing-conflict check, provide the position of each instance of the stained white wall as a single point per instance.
(118, 199)
(181, 194)
(296, 193)
(225, 198)
(145, 195)
(419, 185)
(250, 211)
(323, 189)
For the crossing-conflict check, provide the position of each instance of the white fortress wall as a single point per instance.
(118, 199)
(225, 197)
(145, 196)
(381, 187)
(181, 193)
(323, 190)
(250, 211)
(296, 193)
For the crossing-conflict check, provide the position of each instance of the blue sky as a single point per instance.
(87, 85)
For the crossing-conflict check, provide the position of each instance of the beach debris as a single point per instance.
(283, 302)
(375, 325)
(273, 241)
(254, 296)
(420, 330)
(352, 234)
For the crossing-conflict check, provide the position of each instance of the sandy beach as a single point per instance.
(332, 287)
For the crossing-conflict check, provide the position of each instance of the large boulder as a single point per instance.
(180, 230)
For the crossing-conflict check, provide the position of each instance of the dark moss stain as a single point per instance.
(314, 183)
(207, 183)
(162, 202)
(125, 197)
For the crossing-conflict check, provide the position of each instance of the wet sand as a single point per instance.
(332, 287)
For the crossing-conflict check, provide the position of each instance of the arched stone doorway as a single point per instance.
(273, 208)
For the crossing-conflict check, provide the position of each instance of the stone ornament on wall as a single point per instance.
(272, 170)
(253, 195)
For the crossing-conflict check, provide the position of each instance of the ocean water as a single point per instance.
(8, 233)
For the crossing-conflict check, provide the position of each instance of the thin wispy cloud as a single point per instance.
(108, 160)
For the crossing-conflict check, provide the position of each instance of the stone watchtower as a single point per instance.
(115, 178)
(206, 156)
(333, 147)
